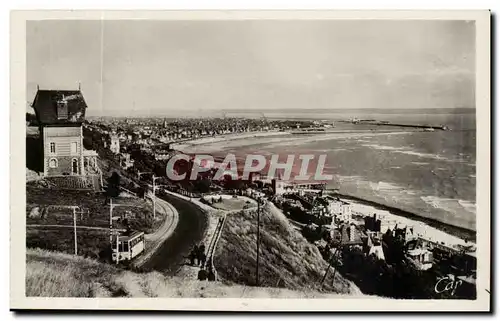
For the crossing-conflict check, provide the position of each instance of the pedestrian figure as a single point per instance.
(201, 248)
(192, 257)
(211, 274)
(203, 258)
(202, 275)
(195, 255)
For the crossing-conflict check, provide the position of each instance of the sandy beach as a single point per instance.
(232, 141)
(196, 145)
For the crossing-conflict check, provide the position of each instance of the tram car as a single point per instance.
(128, 246)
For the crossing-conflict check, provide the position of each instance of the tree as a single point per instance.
(31, 118)
(113, 189)
(202, 186)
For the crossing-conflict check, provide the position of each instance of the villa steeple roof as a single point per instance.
(59, 107)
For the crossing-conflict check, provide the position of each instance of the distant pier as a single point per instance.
(428, 127)
(386, 123)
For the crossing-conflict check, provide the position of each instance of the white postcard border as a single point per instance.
(18, 170)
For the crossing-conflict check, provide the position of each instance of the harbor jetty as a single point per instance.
(387, 123)
(424, 127)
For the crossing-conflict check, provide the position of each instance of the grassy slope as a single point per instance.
(286, 258)
(91, 243)
(98, 215)
(53, 274)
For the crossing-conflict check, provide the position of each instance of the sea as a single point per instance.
(429, 173)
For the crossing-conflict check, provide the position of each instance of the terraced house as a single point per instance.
(60, 115)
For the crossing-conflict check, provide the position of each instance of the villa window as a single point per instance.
(74, 148)
(74, 166)
(53, 163)
(62, 109)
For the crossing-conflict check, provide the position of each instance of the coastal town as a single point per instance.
(122, 162)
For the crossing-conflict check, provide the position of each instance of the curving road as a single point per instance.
(156, 239)
(171, 251)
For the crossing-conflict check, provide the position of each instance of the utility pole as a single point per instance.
(74, 229)
(154, 196)
(110, 220)
(117, 247)
(331, 259)
(258, 243)
(74, 208)
(154, 190)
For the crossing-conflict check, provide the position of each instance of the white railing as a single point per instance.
(213, 246)
(128, 191)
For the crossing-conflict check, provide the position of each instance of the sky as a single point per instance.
(142, 67)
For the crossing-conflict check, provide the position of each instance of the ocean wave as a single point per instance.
(419, 163)
(468, 206)
(382, 147)
(459, 212)
(343, 178)
(384, 186)
(390, 192)
(419, 154)
(362, 182)
(294, 141)
(450, 204)
(402, 150)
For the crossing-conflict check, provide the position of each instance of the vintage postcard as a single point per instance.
(250, 160)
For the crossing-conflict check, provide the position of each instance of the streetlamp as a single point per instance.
(154, 190)
(141, 173)
(154, 196)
